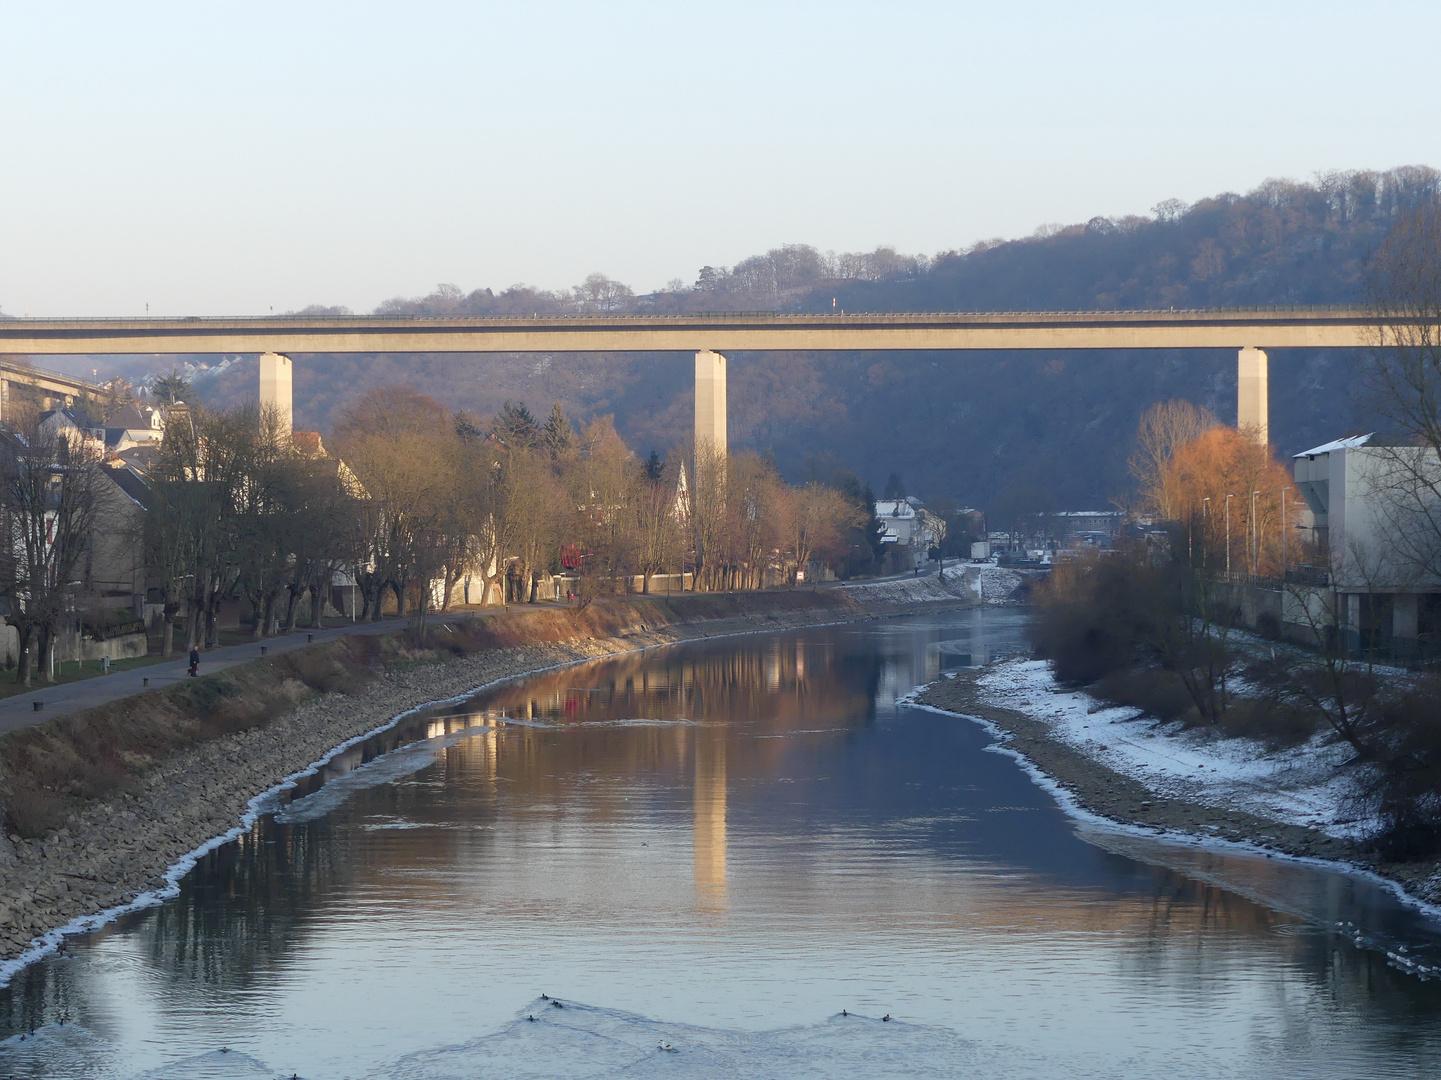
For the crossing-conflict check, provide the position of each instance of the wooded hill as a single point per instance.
(1005, 431)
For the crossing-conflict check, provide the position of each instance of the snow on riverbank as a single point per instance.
(1299, 786)
(986, 583)
(912, 590)
(993, 584)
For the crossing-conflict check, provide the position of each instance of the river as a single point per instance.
(706, 852)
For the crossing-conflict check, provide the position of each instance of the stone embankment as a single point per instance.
(1123, 799)
(113, 849)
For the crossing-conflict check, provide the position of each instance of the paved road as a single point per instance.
(19, 711)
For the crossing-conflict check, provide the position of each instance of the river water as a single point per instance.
(707, 852)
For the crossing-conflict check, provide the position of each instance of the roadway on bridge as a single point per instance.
(1298, 327)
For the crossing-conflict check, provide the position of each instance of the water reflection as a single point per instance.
(746, 833)
(710, 821)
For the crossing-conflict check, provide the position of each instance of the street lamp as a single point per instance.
(1205, 530)
(1228, 533)
(1255, 548)
(1283, 534)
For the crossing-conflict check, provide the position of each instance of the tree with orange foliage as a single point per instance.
(1222, 462)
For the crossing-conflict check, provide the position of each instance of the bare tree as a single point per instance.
(707, 515)
(658, 531)
(1165, 427)
(49, 496)
(817, 523)
(1401, 383)
(1335, 678)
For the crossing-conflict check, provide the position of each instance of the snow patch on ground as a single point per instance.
(914, 590)
(992, 584)
(1300, 786)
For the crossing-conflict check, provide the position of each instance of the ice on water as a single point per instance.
(384, 769)
(53, 1050)
(579, 1042)
(583, 1041)
(221, 1064)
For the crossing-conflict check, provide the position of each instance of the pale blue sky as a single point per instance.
(224, 158)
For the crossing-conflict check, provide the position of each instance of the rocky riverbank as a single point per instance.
(1121, 798)
(117, 848)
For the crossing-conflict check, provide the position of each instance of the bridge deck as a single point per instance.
(1300, 327)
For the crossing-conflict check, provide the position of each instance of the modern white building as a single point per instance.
(1377, 531)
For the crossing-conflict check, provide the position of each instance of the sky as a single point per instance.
(233, 158)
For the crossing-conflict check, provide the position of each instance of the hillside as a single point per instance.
(993, 429)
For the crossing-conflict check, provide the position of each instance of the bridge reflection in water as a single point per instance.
(710, 821)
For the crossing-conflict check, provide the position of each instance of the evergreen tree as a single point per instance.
(467, 426)
(895, 487)
(558, 436)
(874, 529)
(515, 426)
(171, 387)
(654, 467)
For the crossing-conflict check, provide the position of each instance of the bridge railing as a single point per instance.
(1298, 309)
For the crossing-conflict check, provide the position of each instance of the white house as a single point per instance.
(910, 529)
(76, 429)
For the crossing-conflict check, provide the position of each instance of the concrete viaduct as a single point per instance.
(53, 385)
(710, 336)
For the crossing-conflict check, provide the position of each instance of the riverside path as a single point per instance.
(19, 711)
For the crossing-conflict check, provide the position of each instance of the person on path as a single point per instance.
(194, 660)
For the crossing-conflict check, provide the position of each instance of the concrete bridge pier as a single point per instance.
(275, 383)
(710, 404)
(1253, 409)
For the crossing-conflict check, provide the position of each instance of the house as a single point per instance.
(115, 568)
(76, 429)
(909, 530)
(1378, 566)
(133, 424)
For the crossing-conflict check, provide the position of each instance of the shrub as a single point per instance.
(33, 812)
(1278, 724)
(1154, 691)
(1404, 733)
(1094, 615)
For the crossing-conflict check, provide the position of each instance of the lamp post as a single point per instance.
(1205, 530)
(1255, 548)
(1228, 534)
(1283, 535)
